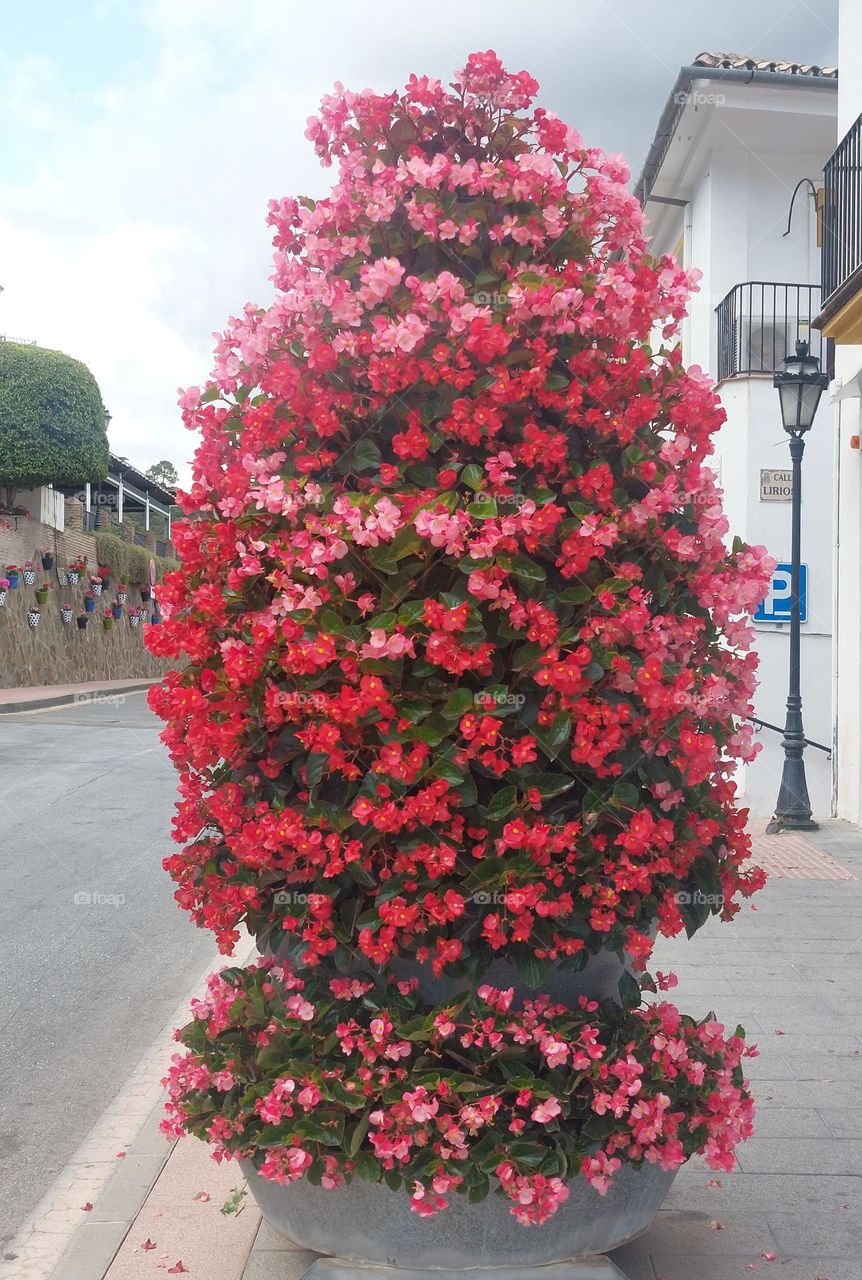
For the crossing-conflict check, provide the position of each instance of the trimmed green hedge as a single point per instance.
(129, 562)
(52, 420)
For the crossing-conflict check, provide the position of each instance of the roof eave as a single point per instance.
(676, 104)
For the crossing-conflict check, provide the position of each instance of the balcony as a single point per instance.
(759, 323)
(841, 316)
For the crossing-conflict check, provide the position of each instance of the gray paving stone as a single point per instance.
(270, 1241)
(90, 1252)
(597, 1269)
(790, 1122)
(149, 1140)
(801, 1155)
(843, 1122)
(762, 1192)
(689, 1231)
(126, 1189)
(714, 1267)
(276, 1264)
(835, 1235)
(634, 1262)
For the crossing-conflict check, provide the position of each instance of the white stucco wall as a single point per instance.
(739, 212)
(848, 489)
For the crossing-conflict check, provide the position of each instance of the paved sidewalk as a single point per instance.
(789, 971)
(36, 696)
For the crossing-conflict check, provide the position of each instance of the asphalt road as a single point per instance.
(94, 953)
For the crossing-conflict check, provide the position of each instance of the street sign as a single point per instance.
(776, 486)
(775, 605)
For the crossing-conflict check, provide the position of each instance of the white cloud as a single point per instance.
(139, 226)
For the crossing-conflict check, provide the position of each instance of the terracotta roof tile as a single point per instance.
(744, 62)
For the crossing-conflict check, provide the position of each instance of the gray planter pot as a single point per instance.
(367, 1222)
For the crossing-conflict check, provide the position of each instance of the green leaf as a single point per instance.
(502, 802)
(627, 795)
(314, 768)
(364, 456)
(354, 1142)
(549, 785)
(552, 737)
(473, 476)
(532, 970)
(460, 702)
(523, 567)
(484, 508)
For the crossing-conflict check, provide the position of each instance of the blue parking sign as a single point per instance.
(775, 605)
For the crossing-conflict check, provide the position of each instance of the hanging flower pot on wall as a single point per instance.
(122, 592)
(82, 620)
(74, 576)
(47, 560)
(29, 576)
(65, 613)
(145, 593)
(33, 617)
(116, 612)
(13, 573)
(89, 604)
(42, 593)
(108, 622)
(134, 618)
(4, 587)
(96, 586)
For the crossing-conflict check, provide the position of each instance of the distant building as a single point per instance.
(737, 138)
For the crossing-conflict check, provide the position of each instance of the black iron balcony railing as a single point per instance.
(759, 323)
(842, 213)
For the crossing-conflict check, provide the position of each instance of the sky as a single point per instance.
(140, 141)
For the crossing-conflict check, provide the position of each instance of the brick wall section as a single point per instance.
(28, 540)
(57, 652)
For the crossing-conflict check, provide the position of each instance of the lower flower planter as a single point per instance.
(368, 1223)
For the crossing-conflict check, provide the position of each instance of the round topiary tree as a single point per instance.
(464, 671)
(52, 420)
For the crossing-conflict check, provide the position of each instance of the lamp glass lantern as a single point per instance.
(800, 385)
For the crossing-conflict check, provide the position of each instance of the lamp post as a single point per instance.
(800, 385)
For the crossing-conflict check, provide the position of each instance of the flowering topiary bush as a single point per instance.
(463, 653)
(445, 1100)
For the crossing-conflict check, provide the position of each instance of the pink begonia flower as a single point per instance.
(546, 1111)
(381, 645)
(190, 398)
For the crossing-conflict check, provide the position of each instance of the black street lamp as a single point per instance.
(800, 386)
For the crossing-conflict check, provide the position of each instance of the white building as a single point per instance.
(737, 137)
(841, 320)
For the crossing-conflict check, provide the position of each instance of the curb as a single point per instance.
(60, 1242)
(63, 699)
